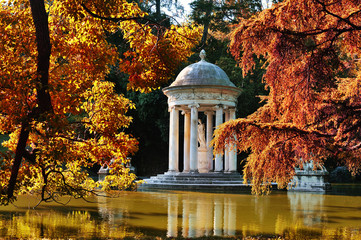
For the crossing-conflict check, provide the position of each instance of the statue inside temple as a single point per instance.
(201, 135)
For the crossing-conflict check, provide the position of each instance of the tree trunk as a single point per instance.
(157, 9)
(205, 32)
(207, 20)
(19, 153)
(40, 19)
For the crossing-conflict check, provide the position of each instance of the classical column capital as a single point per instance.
(193, 105)
(175, 107)
(185, 111)
(209, 112)
(232, 113)
(219, 106)
(170, 108)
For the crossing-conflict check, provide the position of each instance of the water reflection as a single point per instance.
(187, 214)
(307, 206)
(201, 216)
(183, 214)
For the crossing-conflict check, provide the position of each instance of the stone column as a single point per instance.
(177, 142)
(187, 136)
(194, 139)
(173, 140)
(232, 148)
(226, 150)
(209, 139)
(219, 121)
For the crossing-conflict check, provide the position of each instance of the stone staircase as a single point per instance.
(196, 181)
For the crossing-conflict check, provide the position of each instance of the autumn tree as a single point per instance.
(56, 107)
(312, 51)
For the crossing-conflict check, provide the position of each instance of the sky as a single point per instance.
(187, 10)
(185, 3)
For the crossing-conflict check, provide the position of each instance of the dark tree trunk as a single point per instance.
(40, 19)
(207, 21)
(157, 9)
(19, 153)
(205, 31)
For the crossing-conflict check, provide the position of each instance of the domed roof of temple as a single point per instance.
(202, 73)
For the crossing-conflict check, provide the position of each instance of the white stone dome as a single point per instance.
(202, 83)
(202, 73)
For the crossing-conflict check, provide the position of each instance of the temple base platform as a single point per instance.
(214, 181)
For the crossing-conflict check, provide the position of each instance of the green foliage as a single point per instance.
(3, 138)
(150, 125)
(222, 14)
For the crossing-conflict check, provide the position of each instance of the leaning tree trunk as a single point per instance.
(40, 19)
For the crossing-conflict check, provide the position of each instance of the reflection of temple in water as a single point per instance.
(155, 215)
(201, 217)
(307, 206)
(195, 214)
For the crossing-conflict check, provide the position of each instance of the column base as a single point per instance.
(171, 172)
(193, 171)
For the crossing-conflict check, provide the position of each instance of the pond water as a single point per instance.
(190, 214)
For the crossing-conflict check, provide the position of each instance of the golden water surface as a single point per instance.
(186, 215)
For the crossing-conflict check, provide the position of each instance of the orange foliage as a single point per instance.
(312, 51)
(85, 122)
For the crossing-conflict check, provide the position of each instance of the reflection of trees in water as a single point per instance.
(182, 214)
(36, 224)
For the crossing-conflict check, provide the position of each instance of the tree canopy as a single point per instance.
(312, 51)
(59, 112)
(216, 15)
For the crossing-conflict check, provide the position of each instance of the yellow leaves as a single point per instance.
(88, 120)
(63, 143)
(16, 52)
(153, 59)
(106, 109)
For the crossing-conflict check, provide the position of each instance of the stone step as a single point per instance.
(192, 179)
(195, 181)
(200, 175)
(179, 177)
(212, 187)
(161, 181)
